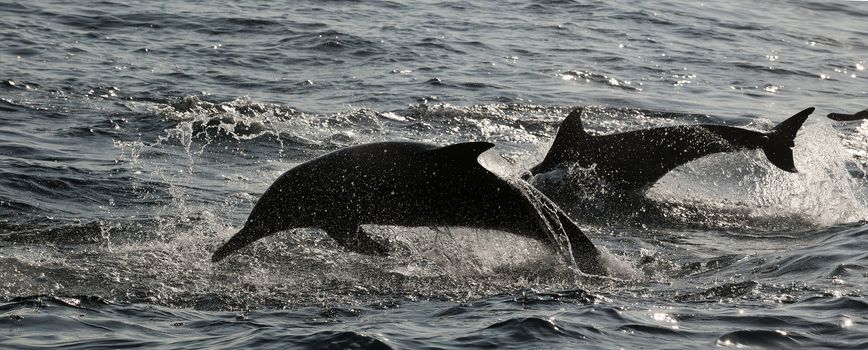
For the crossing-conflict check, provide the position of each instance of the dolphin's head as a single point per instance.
(241, 239)
(278, 209)
(265, 219)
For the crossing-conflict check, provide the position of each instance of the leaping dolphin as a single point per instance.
(635, 160)
(409, 184)
(848, 117)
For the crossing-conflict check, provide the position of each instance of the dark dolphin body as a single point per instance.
(633, 161)
(847, 117)
(408, 184)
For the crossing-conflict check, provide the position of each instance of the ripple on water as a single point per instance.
(135, 138)
(523, 330)
(763, 339)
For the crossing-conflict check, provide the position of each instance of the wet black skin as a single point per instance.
(633, 161)
(404, 184)
(848, 117)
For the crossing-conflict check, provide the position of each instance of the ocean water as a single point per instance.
(135, 137)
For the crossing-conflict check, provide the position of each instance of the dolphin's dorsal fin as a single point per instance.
(572, 125)
(461, 152)
(571, 134)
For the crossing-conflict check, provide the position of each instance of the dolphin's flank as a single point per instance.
(635, 160)
(408, 184)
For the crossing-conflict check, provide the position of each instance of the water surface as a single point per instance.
(135, 137)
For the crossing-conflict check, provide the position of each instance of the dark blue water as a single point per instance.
(135, 137)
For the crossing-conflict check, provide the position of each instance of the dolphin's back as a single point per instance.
(400, 183)
(349, 179)
(635, 160)
(407, 184)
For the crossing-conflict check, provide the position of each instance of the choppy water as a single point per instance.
(135, 137)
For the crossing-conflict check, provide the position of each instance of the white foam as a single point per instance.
(822, 191)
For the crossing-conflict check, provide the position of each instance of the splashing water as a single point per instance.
(821, 194)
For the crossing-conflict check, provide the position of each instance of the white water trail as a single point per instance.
(822, 192)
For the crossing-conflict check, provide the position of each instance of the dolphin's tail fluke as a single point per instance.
(782, 139)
